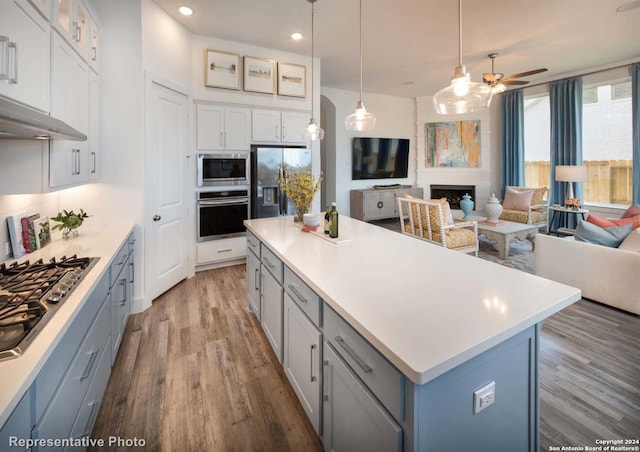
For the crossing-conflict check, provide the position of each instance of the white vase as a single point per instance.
(493, 209)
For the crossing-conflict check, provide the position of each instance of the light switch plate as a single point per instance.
(484, 397)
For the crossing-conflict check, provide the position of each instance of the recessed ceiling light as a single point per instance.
(185, 11)
(296, 36)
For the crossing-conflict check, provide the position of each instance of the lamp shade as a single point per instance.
(462, 95)
(571, 173)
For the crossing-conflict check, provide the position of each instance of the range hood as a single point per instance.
(18, 121)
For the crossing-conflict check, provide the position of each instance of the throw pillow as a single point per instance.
(632, 242)
(448, 217)
(609, 223)
(632, 211)
(516, 199)
(590, 233)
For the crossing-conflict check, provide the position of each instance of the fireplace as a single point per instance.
(453, 193)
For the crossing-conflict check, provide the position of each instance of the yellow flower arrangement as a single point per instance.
(301, 187)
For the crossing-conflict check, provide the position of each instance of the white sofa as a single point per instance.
(608, 275)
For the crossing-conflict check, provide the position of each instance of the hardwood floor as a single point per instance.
(195, 372)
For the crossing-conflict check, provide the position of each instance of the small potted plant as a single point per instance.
(69, 222)
(301, 186)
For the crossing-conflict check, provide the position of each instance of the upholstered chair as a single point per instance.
(532, 211)
(426, 219)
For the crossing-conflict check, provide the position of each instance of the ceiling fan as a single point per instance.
(498, 82)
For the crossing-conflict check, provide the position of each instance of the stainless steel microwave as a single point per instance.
(216, 169)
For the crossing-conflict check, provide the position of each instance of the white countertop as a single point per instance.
(425, 308)
(16, 375)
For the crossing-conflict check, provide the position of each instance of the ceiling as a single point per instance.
(411, 46)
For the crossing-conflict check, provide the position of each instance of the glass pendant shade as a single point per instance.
(312, 132)
(463, 95)
(361, 120)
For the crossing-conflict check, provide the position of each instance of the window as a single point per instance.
(606, 144)
(537, 139)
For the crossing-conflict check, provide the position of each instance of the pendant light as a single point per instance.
(312, 132)
(463, 95)
(361, 120)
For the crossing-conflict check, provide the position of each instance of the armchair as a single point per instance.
(536, 212)
(425, 219)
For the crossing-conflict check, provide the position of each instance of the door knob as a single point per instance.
(157, 218)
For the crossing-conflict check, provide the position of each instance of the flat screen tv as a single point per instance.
(379, 158)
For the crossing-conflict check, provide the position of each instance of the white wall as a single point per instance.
(486, 178)
(395, 118)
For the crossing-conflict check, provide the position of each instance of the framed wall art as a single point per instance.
(259, 75)
(452, 144)
(222, 69)
(292, 79)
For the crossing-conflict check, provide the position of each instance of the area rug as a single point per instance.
(521, 256)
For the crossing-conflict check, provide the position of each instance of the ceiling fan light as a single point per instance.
(361, 120)
(312, 132)
(447, 102)
(498, 88)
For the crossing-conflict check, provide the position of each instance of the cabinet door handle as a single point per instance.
(261, 286)
(225, 251)
(283, 132)
(93, 171)
(296, 293)
(86, 431)
(13, 45)
(221, 138)
(133, 273)
(277, 132)
(94, 53)
(255, 279)
(226, 139)
(359, 361)
(313, 347)
(77, 32)
(87, 370)
(4, 40)
(123, 284)
(269, 264)
(380, 204)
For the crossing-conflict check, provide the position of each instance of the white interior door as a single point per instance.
(166, 225)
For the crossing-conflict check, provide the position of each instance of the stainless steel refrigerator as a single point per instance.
(267, 164)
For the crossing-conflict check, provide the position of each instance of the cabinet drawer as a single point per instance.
(382, 378)
(91, 404)
(253, 243)
(272, 263)
(221, 250)
(51, 374)
(303, 295)
(59, 416)
(118, 264)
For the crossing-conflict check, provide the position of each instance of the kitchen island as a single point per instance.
(461, 333)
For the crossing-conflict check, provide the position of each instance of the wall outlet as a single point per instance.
(484, 397)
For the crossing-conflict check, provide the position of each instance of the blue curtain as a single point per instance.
(565, 98)
(512, 138)
(635, 107)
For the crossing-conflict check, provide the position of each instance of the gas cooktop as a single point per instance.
(29, 295)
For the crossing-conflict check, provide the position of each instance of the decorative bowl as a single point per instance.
(311, 219)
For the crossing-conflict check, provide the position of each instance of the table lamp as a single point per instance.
(571, 174)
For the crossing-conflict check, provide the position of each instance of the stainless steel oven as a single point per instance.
(216, 169)
(221, 213)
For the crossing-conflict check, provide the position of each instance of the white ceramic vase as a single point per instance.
(493, 209)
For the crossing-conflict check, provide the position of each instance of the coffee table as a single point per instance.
(505, 233)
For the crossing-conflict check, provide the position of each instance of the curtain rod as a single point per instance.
(581, 75)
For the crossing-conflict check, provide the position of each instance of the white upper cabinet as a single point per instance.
(74, 23)
(221, 127)
(69, 161)
(273, 126)
(24, 54)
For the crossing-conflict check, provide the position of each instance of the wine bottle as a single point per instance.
(333, 224)
(327, 219)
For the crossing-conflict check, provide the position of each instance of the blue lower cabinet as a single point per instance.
(353, 418)
(18, 426)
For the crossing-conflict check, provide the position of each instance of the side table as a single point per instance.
(563, 214)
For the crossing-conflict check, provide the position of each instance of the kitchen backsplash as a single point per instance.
(48, 204)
